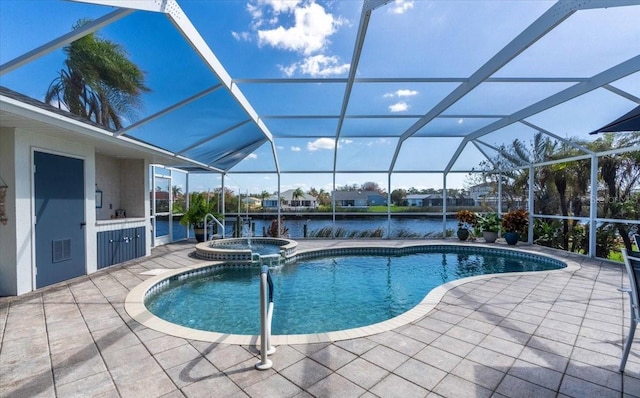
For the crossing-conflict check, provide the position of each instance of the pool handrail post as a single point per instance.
(270, 349)
(266, 312)
(206, 229)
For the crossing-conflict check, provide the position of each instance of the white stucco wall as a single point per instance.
(8, 245)
(108, 181)
(16, 260)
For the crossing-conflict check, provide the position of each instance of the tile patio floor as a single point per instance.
(557, 334)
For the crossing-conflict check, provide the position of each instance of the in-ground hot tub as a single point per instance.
(242, 250)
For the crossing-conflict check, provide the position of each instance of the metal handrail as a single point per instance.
(206, 229)
(266, 315)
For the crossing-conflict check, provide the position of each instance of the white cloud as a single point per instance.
(289, 70)
(379, 141)
(256, 14)
(346, 141)
(252, 156)
(321, 143)
(406, 93)
(460, 121)
(400, 6)
(280, 6)
(241, 36)
(317, 66)
(401, 93)
(399, 107)
(309, 34)
(295, 149)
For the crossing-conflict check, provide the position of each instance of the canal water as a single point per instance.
(399, 226)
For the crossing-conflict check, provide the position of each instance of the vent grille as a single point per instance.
(61, 250)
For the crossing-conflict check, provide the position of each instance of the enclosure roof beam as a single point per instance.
(186, 28)
(365, 15)
(540, 27)
(169, 109)
(63, 40)
(617, 72)
(216, 135)
(622, 93)
(557, 137)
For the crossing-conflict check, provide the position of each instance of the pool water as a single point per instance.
(324, 294)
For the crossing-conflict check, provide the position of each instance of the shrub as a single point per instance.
(466, 219)
(489, 222)
(516, 221)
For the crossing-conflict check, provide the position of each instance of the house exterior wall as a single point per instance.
(108, 181)
(122, 184)
(17, 247)
(270, 203)
(17, 237)
(376, 200)
(133, 175)
(8, 231)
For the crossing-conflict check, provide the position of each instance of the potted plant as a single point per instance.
(489, 224)
(199, 207)
(466, 220)
(515, 223)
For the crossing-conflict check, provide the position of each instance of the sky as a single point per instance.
(313, 39)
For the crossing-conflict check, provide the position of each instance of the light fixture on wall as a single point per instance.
(3, 192)
(98, 197)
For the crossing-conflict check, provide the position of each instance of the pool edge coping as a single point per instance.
(134, 302)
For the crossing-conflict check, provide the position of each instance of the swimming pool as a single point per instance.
(334, 292)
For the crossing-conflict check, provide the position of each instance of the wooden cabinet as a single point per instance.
(120, 245)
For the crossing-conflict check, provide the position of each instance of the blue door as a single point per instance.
(60, 221)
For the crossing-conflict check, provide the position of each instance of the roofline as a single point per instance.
(53, 117)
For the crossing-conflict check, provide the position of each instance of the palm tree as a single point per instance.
(99, 83)
(176, 192)
(621, 176)
(324, 197)
(296, 195)
(264, 195)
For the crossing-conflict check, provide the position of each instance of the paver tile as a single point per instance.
(363, 373)
(436, 357)
(395, 386)
(306, 372)
(356, 346)
(478, 374)
(245, 374)
(225, 356)
(541, 376)
(515, 387)
(454, 386)
(335, 385)
(78, 370)
(96, 384)
(333, 356)
(177, 356)
(420, 373)
(385, 357)
(575, 387)
(192, 372)
(274, 386)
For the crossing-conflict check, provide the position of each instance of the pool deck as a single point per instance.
(556, 334)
